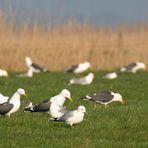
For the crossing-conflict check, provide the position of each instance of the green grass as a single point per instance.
(112, 127)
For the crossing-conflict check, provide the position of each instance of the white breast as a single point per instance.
(76, 118)
(15, 100)
(54, 110)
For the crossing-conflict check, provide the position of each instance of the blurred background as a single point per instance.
(108, 33)
(95, 12)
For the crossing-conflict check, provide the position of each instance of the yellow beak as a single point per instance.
(122, 102)
(70, 99)
(25, 95)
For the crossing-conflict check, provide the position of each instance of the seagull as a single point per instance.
(3, 98)
(133, 67)
(111, 75)
(45, 105)
(35, 68)
(3, 73)
(78, 68)
(55, 110)
(73, 117)
(83, 80)
(13, 104)
(104, 97)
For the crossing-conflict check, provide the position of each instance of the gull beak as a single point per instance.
(122, 102)
(70, 99)
(25, 95)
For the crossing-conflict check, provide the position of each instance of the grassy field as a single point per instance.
(115, 126)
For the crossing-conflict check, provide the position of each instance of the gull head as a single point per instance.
(141, 65)
(91, 75)
(118, 97)
(87, 64)
(28, 61)
(21, 92)
(3, 72)
(66, 93)
(81, 109)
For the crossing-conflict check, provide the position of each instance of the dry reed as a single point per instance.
(61, 46)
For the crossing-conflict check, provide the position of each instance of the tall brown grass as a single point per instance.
(61, 46)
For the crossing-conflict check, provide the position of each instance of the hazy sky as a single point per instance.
(110, 12)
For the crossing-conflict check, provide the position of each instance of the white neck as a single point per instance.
(61, 101)
(15, 99)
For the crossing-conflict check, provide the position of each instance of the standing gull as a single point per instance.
(133, 67)
(104, 97)
(83, 80)
(13, 103)
(45, 105)
(78, 68)
(73, 117)
(34, 67)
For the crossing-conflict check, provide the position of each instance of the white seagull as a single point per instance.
(3, 98)
(13, 103)
(3, 73)
(45, 105)
(111, 75)
(104, 97)
(133, 67)
(73, 117)
(34, 67)
(78, 68)
(83, 80)
(55, 110)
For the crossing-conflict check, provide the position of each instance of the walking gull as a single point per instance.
(78, 68)
(133, 67)
(45, 105)
(73, 117)
(104, 97)
(83, 80)
(13, 103)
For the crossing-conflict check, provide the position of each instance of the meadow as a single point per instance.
(115, 126)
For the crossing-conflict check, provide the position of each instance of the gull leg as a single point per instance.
(71, 125)
(105, 105)
(95, 106)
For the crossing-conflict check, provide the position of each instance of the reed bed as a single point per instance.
(60, 46)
